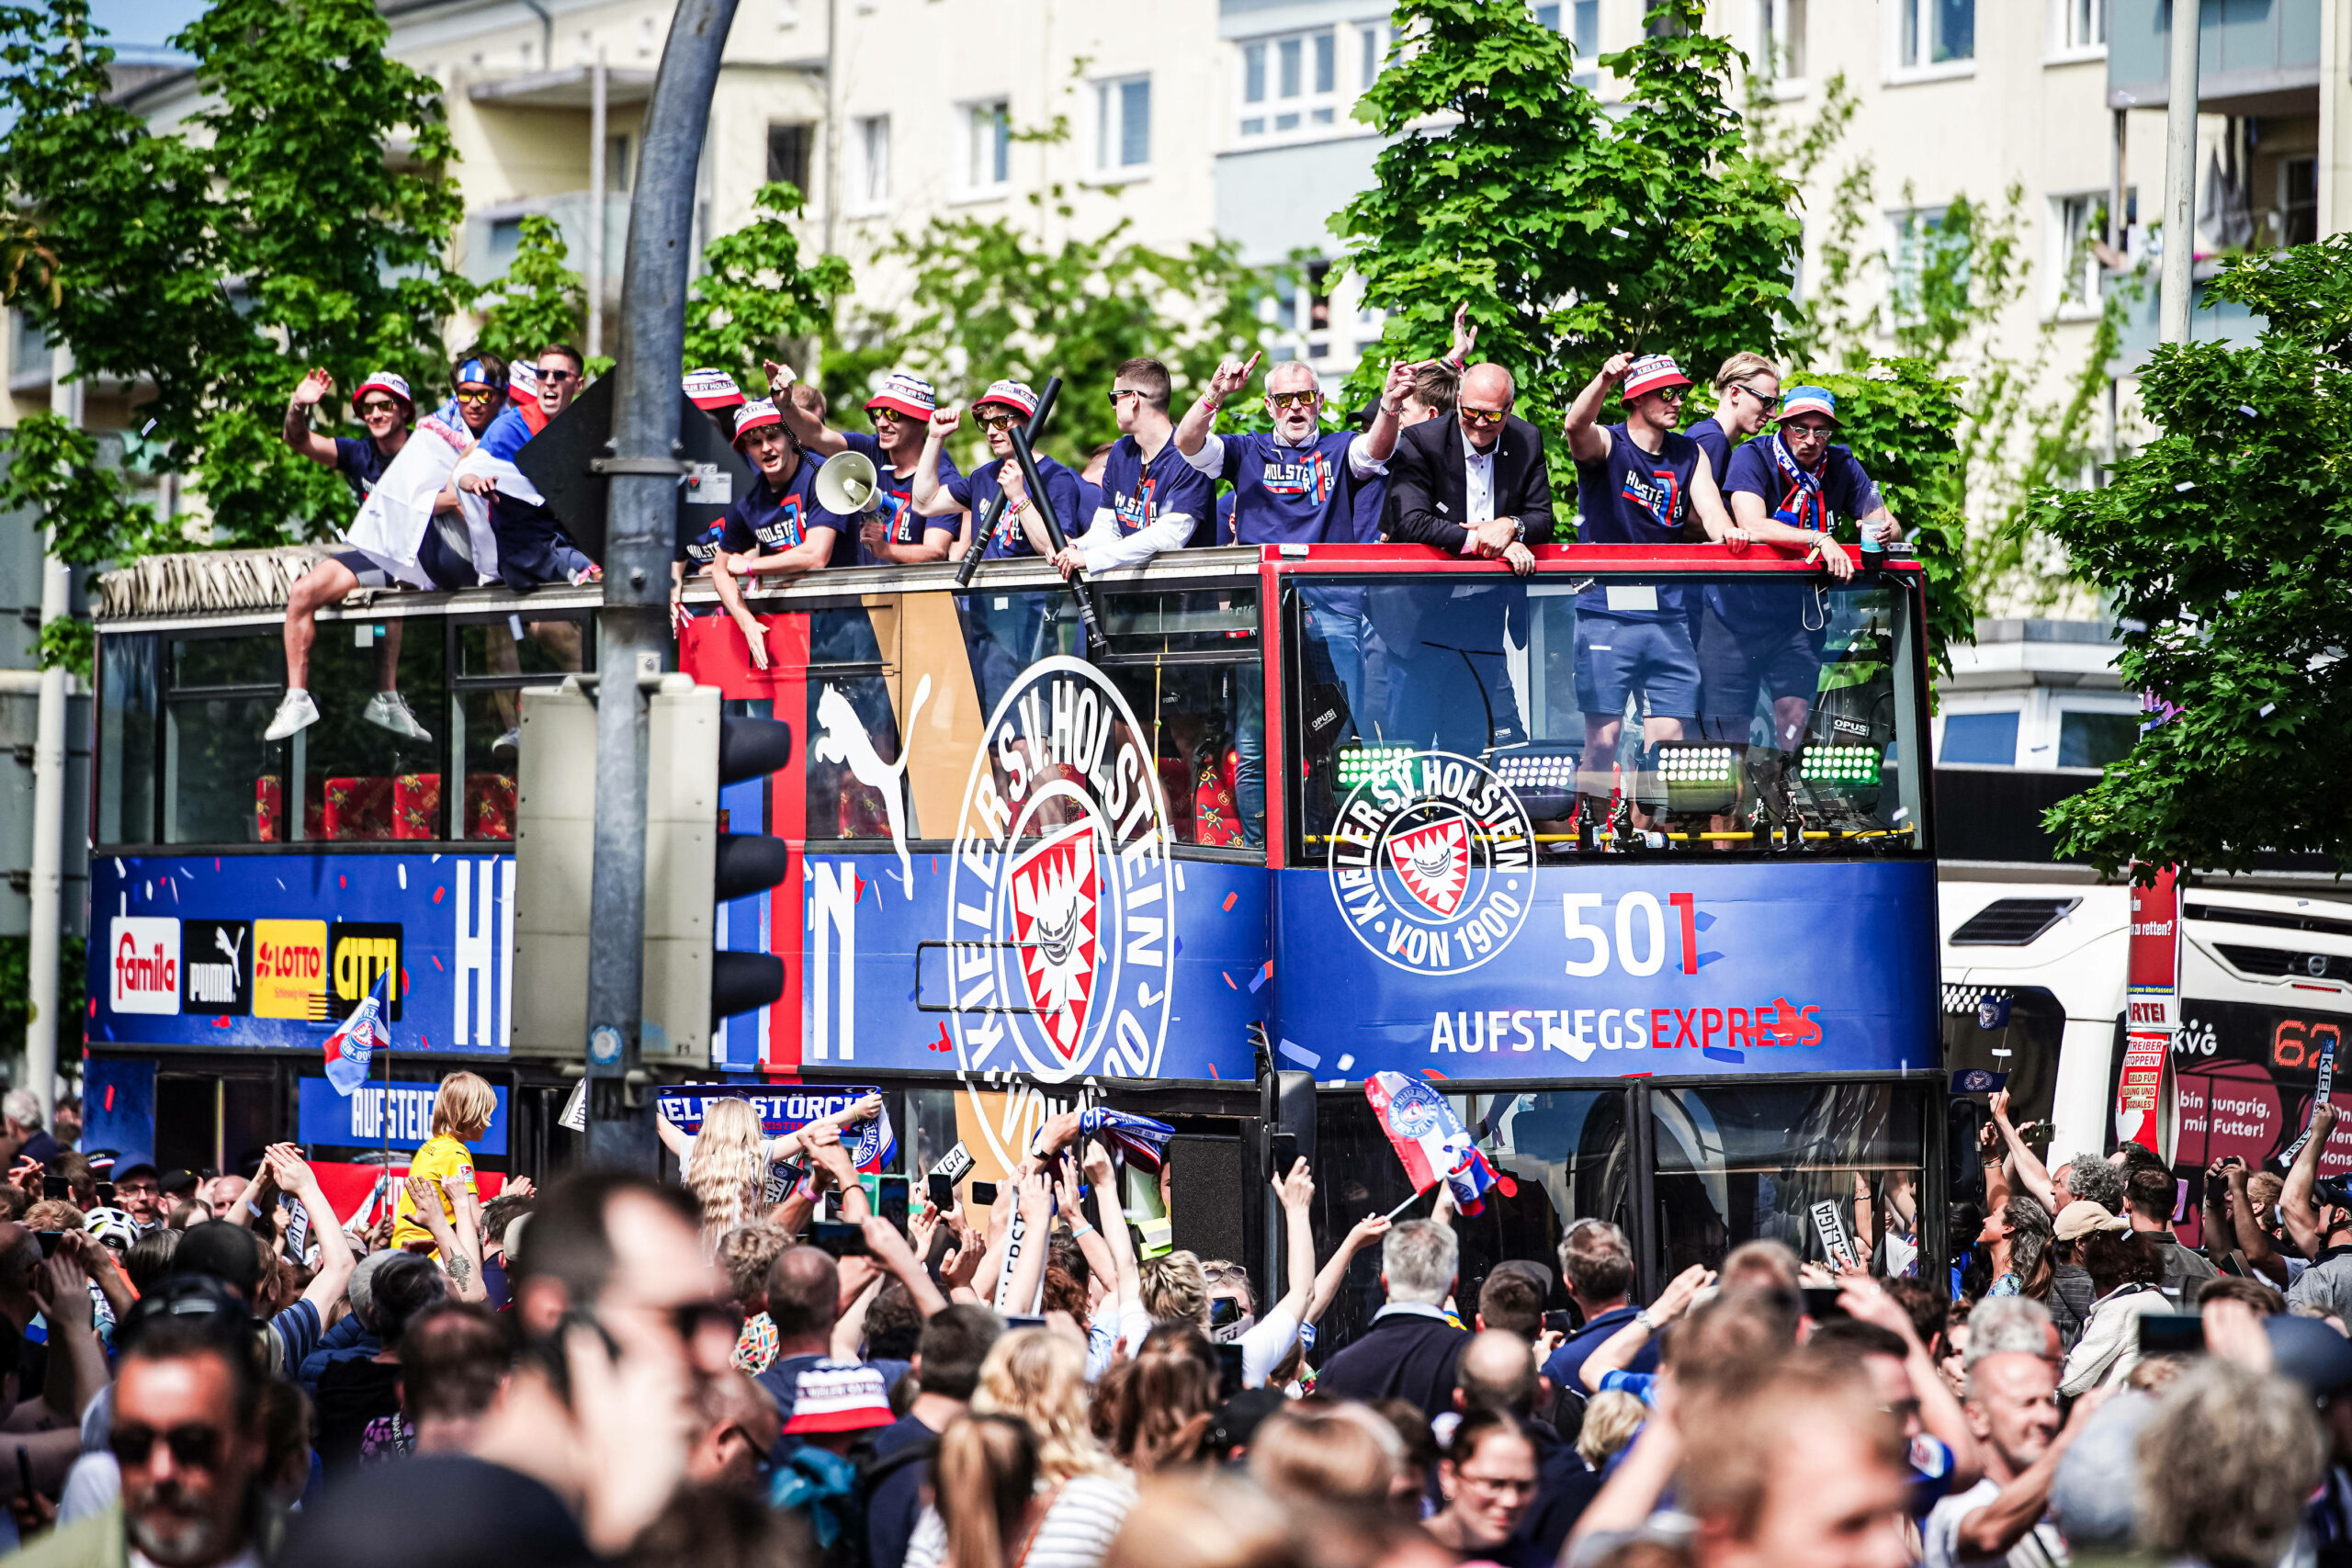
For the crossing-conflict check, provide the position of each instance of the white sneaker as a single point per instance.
(296, 712)
(388, 710)
(507, 743)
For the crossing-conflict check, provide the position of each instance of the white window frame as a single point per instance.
(1317, 112)
(983, 148)
(1901, 263)
(1771, 23)
(1920, 14)
(869, 185)
(2067, 44)
(2073, 265)
(1110, 130)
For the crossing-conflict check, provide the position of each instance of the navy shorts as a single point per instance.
(1617, 658)
(1734, 662)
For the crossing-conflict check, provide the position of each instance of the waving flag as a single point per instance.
(1431, 1140)
(1138, 1138)
(350, 1047)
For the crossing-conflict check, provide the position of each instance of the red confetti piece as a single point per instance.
(1228, 982)
(436, 964)
(343, 882)
(437, 894)
(1212, 1072)
(220, 1023)
(1230, 900)
(1432, 1072)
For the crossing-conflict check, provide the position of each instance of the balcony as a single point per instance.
(2253, 57)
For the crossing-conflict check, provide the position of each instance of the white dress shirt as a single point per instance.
(1478, 484)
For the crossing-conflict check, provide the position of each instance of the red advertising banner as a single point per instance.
(2151, 1004)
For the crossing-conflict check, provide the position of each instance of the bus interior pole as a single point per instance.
(1089, 611)
(632, 626)
(987, 529)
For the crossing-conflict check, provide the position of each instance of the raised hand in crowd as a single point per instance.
(1465, 335)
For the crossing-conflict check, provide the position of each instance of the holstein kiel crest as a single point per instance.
(1433, 863)
(1060, 890)
(1057, 910)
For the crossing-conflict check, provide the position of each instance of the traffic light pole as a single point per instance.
(632, 630)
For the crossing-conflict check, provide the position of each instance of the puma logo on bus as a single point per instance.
(845, 742)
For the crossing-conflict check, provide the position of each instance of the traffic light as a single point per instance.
(690, 868)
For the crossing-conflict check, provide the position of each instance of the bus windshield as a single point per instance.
(1764, 713)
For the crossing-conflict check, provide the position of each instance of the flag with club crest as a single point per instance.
(353, 1046)
(1140, 1139)
(1432, 1142)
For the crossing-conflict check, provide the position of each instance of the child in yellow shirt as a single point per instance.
(461, 1113)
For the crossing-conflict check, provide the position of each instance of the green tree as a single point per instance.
(990, 301)
(1574, 232)
(2225, 545)
(755, 295)
(206, 266)
(539, 301)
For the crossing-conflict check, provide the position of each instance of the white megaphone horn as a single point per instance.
(848, 485)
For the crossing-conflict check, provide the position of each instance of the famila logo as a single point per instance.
(1433, 863)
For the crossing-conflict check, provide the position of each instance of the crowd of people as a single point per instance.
(1441, 461)
(217, 1372)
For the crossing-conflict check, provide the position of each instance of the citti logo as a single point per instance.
(146, 964)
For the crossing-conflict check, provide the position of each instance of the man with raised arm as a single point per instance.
(1639, 482)
(1152, 499)
(901, 415)
(1018, 533)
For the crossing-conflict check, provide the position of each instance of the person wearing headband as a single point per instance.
(532, 547)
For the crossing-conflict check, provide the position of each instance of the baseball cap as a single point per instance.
(1809, 400)
(753, 415)
(908, 395)
(713, 388)
(1651, 373)
(1534, 1273)
(177, 1183)
(386, 382)
(133, 1172)
(223, 1251)
(2081, 1217)
(2310, 1352)
(1014, 394)
(840, 1396)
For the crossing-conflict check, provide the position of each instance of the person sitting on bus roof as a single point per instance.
(479, 378)
(1785, 488)
(1152, 499)
(1637, 483)
(901, 415)
(776, 526)
(532, 547)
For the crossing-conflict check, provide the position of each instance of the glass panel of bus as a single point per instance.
(1672, 713)
(372, 761)
(129, 705)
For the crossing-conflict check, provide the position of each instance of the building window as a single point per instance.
(1291, 84)
(2089, 739)
(1369, 41)
(1581, 20)
(870, 176)
(2077, 230)
(987, 146)
(1122, 124)
(789, 154)
(2082, 25)
(1920, 253)
(1934, 32)
(2298, 200)
(1984, 739)
(1780, 40)
(618, 164)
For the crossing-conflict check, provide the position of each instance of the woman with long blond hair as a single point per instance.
(1038, 1379)
(727, 1163)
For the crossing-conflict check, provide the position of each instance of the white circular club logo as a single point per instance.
(1433, 863)
(1061, 901)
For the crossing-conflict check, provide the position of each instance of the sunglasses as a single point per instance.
(995, 421)
(481, 397)
(1772, 402)
(877, 416)
(1118, 392)
(1483, 417)
(193, 1445)
(379, 405)
(558, 376)
(1673, 394)
(1804, 432)
(1293, 399)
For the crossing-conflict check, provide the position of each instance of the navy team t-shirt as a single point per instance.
(359, 462)
(1846, 489)
(909, 527)
(974, 492)
(1140, 494)
(1291, 495)
(1715, 442)
(1634, 497)
(764, 522)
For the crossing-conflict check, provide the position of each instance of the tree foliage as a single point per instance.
(1573, 232)
(990, 301)
(755, 295)
(539, 301)
(266, 231)
(2225, 545)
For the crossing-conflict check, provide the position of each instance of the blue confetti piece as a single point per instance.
(1721, 1054)
(1299, 1054)
(1702, 920)
(1707, 958)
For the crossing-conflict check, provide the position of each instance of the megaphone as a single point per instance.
(849, 485)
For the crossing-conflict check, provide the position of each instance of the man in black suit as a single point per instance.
(1475, 484)
(1471, 485)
